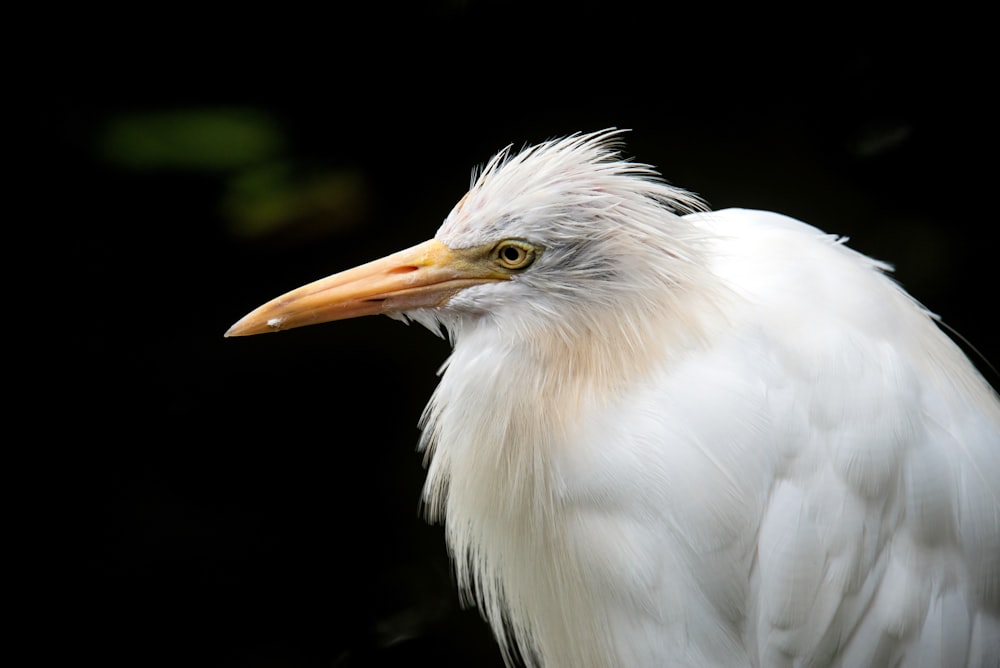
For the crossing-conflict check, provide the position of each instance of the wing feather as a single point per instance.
(880, 541)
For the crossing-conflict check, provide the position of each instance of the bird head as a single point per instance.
(564, 227)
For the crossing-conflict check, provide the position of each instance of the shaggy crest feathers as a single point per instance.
(556, 179)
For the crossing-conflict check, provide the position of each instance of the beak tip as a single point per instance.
(248, 326)
(239, 328)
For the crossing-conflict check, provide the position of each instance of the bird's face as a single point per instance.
(554, 260)
(539, 235)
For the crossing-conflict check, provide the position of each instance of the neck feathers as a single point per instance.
(503, 417)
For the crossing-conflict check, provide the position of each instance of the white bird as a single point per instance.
(674, 437)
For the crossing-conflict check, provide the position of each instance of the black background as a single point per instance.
(254, 501)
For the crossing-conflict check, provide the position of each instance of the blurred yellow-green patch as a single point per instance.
(191, 139)
(262, 201)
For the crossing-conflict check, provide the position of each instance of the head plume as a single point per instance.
(567, 180)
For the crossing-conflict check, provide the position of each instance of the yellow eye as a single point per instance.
(513, 254)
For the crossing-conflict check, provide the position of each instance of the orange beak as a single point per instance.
(423, 276)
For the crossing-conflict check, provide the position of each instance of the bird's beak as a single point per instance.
(426, 275)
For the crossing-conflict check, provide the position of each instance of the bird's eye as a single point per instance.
(514, 254)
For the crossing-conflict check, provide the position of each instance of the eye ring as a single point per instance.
(514, 255)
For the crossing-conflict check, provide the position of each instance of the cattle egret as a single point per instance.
(672, 436)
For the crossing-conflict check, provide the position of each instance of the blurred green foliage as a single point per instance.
(191, 139)
(263, 200)
(264, 191)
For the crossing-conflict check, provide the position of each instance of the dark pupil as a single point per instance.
(511, 254)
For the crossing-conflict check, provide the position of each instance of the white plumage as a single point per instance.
(674, 437)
